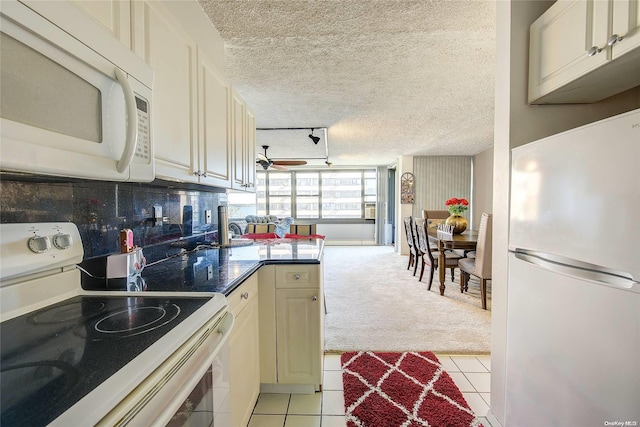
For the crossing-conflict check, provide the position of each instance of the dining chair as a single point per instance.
(434, 217)
(303, 229)
(253, 228)
(432, 257)
(414, 253)
(480, 266)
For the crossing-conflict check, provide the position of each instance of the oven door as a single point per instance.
(67, 110)
(191, 388)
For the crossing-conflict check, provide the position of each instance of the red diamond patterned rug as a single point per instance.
(401, 390)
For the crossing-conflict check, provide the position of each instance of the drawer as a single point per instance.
(240, 297)
(297, 276)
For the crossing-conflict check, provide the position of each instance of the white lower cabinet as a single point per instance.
(298, 336)
(291, 322)
(244, 349)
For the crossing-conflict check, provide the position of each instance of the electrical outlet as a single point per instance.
(209, 272)
(207, 216)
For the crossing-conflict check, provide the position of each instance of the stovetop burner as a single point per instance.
(76, 310)
(136, 320)
(60, 353)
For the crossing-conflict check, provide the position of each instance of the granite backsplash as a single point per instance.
(101, 209)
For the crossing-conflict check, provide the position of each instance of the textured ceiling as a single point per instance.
(386, 78)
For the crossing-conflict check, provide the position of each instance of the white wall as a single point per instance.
(348, 234)
(482, 185)
(405, 164)
(517, 123)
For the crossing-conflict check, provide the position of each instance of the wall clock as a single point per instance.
(406, 188)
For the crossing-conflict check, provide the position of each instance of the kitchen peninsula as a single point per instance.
(210, 269)
(275, 291)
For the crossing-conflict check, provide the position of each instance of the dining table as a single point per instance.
(467, 241)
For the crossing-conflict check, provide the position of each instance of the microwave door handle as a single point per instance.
(132, 122)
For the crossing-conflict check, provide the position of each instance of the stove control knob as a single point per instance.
(62, 241)
(39, 244)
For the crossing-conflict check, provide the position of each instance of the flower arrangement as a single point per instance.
(457, 206)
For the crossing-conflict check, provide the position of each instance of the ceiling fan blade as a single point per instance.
(289, 162)
(279, 167)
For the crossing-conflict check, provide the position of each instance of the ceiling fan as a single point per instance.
(266, 162)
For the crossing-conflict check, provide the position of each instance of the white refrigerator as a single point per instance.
(573, 315)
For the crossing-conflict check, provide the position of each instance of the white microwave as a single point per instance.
(68, 110)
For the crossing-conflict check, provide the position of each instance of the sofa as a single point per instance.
(260, 224)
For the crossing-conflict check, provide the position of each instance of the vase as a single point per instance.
(459, 223)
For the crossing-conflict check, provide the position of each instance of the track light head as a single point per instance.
(315, 139)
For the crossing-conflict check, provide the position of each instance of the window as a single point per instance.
(307, 195)
(316, 194)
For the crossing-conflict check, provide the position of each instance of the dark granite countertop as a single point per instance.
(207, 269)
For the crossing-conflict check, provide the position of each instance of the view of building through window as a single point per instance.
(337, 194)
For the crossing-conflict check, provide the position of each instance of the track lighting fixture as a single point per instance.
(315, 139)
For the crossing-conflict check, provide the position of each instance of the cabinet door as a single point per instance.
(250, 150)
(298, 331)
(560, 41)
(626, 24)
(238, 141)
(215, 143)
(114, 15)
(244, 364)
(160, 41)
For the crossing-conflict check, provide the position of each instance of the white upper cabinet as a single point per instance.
(584, 51)
(251, 150)
(113, 15)
(215, 141)
(243, 136)
(160, 41)
(200, 124)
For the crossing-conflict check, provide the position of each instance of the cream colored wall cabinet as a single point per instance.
(79, 18)
(162, 43)
(584, 51)
(243, 144)
(191, 100)
(244, 348)
(291, 325)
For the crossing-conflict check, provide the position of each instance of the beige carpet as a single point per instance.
(374, 303)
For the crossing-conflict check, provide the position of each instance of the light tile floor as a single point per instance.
(472, 374)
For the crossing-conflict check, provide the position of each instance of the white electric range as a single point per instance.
(76, 357)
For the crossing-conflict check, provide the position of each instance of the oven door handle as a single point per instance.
(157, 399)
(224, 328)
(132, 122)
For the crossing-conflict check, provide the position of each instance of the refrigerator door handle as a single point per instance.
(579, 269)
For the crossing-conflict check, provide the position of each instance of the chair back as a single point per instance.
(260, 228)
(422, 238)
(442, 214)
(483, 248)
(433, 218)
(303, 230)
(408, 229)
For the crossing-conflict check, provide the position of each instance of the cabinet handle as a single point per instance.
(296, 277)
(314, 298)
(594, 50)
(245, 295)
(614, 39)
(197, 173)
